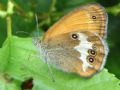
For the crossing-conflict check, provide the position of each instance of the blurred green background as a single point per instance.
(49, 11)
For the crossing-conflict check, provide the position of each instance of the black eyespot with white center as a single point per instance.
(90, 59)
(92, 52)
(74, 36)
(93, 17)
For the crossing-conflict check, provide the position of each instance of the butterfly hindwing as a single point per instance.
(84, 55)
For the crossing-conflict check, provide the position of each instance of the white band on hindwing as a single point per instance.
(83, 47)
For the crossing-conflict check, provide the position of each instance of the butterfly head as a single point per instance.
(41, 47)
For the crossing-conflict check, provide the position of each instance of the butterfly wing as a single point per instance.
(90, 17)
(84, 55)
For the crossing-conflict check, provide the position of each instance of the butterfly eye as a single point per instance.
(92, 52)
(93, 17)
(90, 59)
(74, 36)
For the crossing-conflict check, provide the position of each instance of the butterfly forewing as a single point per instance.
(90, 17)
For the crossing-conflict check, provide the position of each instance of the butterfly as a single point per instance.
(76, 43)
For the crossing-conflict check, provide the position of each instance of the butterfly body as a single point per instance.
(76, 43)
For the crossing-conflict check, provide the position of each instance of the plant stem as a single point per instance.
(9, 28)
(53, 8)
(10, 8)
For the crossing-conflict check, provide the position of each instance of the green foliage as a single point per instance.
(19, 58)
(20, 64)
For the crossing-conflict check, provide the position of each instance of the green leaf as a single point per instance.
(7, 84)
(114, 10)
(22, 64)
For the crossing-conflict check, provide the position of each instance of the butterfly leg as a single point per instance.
(49, 68)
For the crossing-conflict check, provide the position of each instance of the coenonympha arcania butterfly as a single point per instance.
(76, 43)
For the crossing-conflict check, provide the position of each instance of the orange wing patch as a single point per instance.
(91, 17)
